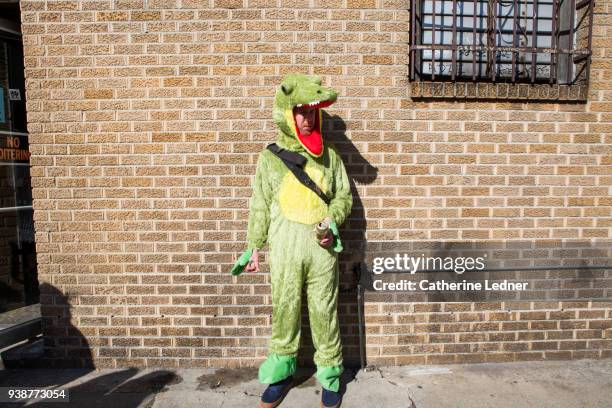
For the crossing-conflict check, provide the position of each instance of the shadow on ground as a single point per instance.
(117, 389)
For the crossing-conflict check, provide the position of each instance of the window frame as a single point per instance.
(570, 44)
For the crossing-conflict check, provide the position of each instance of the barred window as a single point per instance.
(501, 42)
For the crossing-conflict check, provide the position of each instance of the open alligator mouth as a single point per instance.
(314, 141)
(317, 104)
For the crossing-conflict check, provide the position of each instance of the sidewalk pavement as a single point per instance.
(578, 383)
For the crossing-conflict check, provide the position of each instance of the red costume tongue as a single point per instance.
(314, 141)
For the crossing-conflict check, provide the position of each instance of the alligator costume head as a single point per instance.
(301, 90)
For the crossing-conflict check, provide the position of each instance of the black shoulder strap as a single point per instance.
(295, 163)
(287, 155)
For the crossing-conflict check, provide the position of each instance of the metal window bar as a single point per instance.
(534, 39)
(514, 41)
(474, 41)
(433, 39)
(491, 24)
(591, 5)
(413, 39)
(570, 64)
(454, 39)
(554, 39)
(517, 41)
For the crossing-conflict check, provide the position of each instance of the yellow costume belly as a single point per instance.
(300, 204)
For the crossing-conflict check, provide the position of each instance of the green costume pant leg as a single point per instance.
(297, 261)
(322, 292)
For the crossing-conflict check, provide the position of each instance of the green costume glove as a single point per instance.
(242, 262)
(337, 243)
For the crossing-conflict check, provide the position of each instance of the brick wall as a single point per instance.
(146, 118)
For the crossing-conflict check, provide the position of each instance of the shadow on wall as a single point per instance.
(66, 347)
(353, 238)
(64, 344)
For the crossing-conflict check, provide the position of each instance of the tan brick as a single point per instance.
(361, 4)
(113, 16)
(98, 93)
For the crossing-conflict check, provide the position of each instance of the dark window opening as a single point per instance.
(18, 269)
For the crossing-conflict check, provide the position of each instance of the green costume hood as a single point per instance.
(297, 90)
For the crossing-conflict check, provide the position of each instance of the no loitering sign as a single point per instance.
(14, 149)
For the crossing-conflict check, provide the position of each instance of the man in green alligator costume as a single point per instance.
(283, 212)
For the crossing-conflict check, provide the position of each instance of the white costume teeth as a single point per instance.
(299, 105)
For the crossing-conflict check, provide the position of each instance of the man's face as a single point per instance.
(305, 119)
